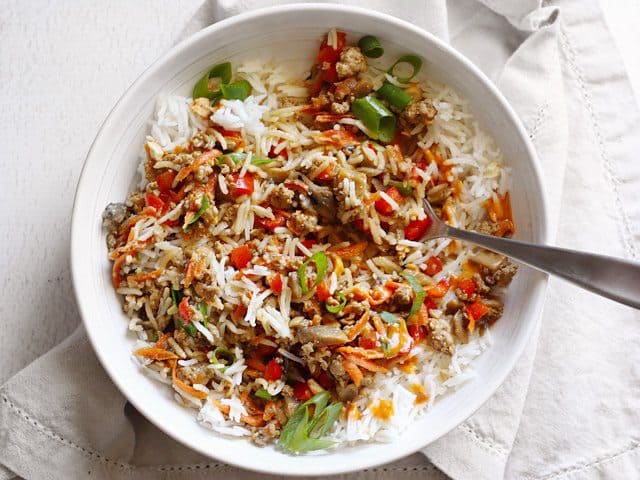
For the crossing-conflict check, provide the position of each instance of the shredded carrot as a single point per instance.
(379, 295)
(379, 326)
(253, 420)
(421, 317)
(337, 138)
(146, 212)
(351, 250)
(366, 364)
(162, 341)
(359, 326)
(197, 163)
(115, 272)
(189, 389)
(374, 197)
(144, 276)
(154, 353)
(362, 352)
(353, 371)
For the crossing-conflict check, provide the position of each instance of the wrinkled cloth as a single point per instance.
(569, 409)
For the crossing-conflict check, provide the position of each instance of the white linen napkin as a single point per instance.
(571, 411)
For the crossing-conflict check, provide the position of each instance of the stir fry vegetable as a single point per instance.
(376, 117)
(222, 71)
(236, 91)
(304, 430)
(321, 263)
(395, 96)
(413, 61)
(370, 46)
(387, 317)
(203, 208)
(263, 394)
(419, 292)
(337, 308)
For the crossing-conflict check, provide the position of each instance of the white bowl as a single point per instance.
(291, 33)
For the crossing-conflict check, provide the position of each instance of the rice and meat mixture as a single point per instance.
(271, 264)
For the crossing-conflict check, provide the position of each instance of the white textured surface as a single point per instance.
(63, 65)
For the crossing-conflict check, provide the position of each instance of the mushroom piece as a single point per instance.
(322, 335)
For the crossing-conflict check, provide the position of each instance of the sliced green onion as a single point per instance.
(190, 328)
(261, 161)
(202, 306)
(236, 91)
(420, 294)
(413, 60)
(389, 318)
(203, 208)
(231, 158)
(302, 434)
(370, 46)
(176, 296)
(221, 353)
(375, 116)
(320, 259)
(385, 348)
(395, 96)
(263, 394)
(403, 187)
(221, 71)
(337, 308)
(153, 336)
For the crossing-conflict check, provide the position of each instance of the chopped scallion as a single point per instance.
(420, 294)
(221, 71)
(236, 91)
(302, 434)
(320, 260)
(337, 308)
(221, 353)
(387, 317)
(370, 46)
(263, 394)
(403, 187)
(395, 96)
(202, 306)
(190, 328)
(261, 161)
(231, 158)
(375, 116)
(204, 205)
(413, 61)
(176, 296)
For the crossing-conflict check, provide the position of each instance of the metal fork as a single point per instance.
(610, 277)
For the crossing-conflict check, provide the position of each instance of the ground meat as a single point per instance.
(417, 113)
(301, 223)
(362, 88)
(201, 107)
(351, 62)
(196, 374)
(281, 197)
(336, 368)
(495, 310)
(340, 108)
(114, 215)
(402, 297)
(440, 337)
(501, 276)
(462, 295)
(486, 227)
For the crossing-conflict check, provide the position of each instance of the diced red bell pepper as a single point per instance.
(433, 265)
(271, 223)
(467, 285)
(276, 283)
(240, 256)
(330, 75)
(165, 180)
(417, 229)
(383, 207)
(302, 391)
(326, 175)
(477, 310)
(417, 332)
(184, 310)
(308, 243)
(322, 292)
(272, 371)
(155, 202)
(439, 289)
(241, 185)
(358, 222)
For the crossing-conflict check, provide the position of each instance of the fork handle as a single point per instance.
(610, 277)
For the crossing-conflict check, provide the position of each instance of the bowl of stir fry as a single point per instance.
(248, 251)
